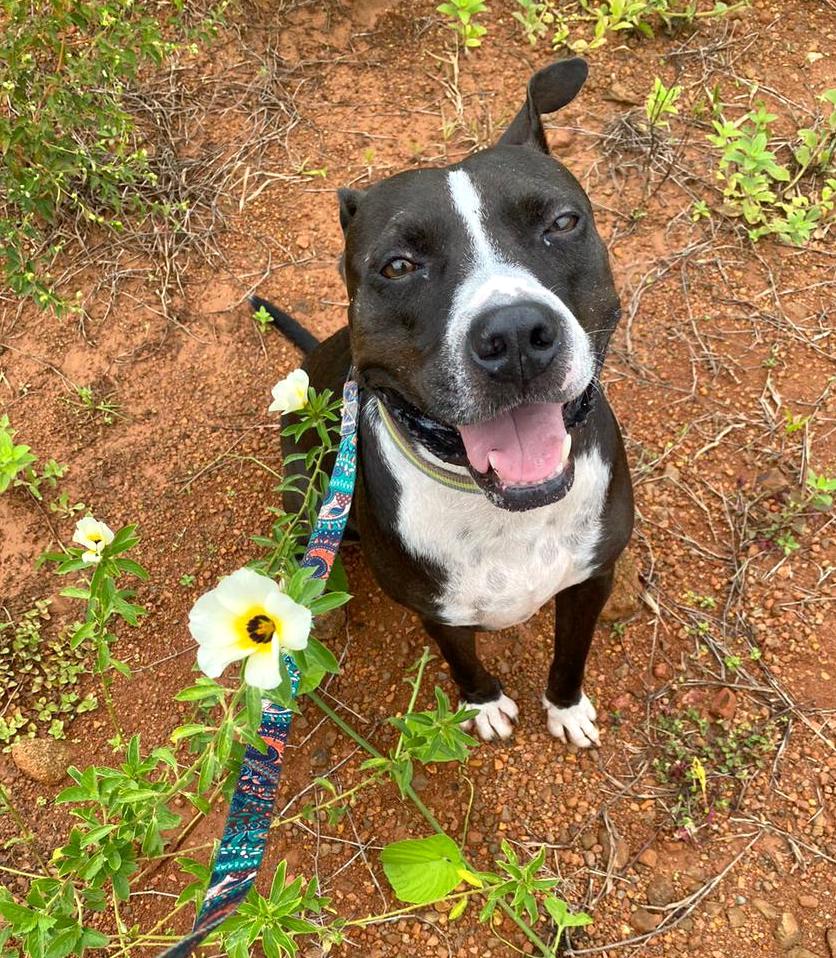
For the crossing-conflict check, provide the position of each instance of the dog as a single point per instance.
(491, 474)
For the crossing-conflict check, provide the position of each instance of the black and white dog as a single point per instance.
(492, 473)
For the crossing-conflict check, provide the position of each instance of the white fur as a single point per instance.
(576, 723)
(500, 566)
(492, 280)
(495, 719)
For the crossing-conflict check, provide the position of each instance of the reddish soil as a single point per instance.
(721, 339)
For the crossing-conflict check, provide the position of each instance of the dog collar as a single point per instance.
(453, 480)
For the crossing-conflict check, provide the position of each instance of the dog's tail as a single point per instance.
(287, 325)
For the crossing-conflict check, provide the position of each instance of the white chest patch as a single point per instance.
(500, 566)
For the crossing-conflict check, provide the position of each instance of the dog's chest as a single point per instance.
(498, 567)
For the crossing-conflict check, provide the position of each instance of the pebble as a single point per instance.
(723, 704)
(768, 910)
(648, 858)
(787, 932)
(644, 921)
(660, 891)
(801, 953)
(44, 760)
(808, 901)
(737, 917)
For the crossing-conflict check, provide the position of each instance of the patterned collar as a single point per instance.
(453, 480)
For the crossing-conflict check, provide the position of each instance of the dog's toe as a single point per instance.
(575, 724)
(495, 718)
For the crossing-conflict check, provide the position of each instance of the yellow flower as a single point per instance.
(291, 393)
(94, 536)
(247, 616)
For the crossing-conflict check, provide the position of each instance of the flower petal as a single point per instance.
(90, 557)
(212, 661)
(294, 620)
(262, 668)
(291, 393)
(243, 589)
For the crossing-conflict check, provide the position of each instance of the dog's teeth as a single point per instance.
(567, 445)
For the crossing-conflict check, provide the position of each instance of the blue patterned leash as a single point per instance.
(251, 809)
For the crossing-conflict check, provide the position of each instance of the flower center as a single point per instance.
(94, 537)
(260, 628)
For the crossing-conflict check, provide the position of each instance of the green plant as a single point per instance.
(707, 764)
(821, 489)
(39, 677)
(262, 318)
(535, 18)
(660, 104)
(462, 14)
(88, 402)
(764, 192)
(614, 16)
(69, 147)
(17, 465)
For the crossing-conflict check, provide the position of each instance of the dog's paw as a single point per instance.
(495, 718)
(575, 724)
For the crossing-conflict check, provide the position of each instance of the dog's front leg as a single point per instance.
(478, 688)
(570, 714)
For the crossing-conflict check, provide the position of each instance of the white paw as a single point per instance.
(576, 723)
(495, 719)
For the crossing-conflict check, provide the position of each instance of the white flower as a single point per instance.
(291, 393)
(94, 536)
(247, 616)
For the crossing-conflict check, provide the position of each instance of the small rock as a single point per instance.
(660, 891)
(420, 781)
(621, 852)
(787, 932)
(769, 911)
(808, 901)
(644, 921)
(330, 624)
(43, 760)
(672, 473)
(801, 953)
(648, 858)
(561, 139)
(723, 704)
(831, 941)
(736, 917)
(773, 481)
(624, 600)
(618, 93)
(588, 840)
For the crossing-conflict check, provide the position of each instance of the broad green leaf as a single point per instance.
(423, 870)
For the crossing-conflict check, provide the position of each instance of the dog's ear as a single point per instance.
(349, 202)
(549, 90)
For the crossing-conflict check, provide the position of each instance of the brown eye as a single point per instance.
(398, 267)
(564, 223)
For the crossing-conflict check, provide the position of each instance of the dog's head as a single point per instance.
(481, 303)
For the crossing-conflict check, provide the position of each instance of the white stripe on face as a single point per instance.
(493, 280)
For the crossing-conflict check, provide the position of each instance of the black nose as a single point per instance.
(514, 343)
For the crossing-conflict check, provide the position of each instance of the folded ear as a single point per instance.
(349, 201)
(549, 90)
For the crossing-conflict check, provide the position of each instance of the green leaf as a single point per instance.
(423, 870)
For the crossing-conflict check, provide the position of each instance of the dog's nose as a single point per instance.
(514, 343)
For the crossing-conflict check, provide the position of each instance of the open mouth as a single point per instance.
(521, 459)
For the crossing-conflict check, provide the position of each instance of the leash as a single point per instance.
(251, 808)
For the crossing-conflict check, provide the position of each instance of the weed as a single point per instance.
(69, 147)
(616, 16)
(187, 579)
(707, 763)
(262, 318)
(535, 18)
(39, 678)
(782, 527)
(64, 508)
(95, 406)
(461, 14)
(660, 104)
(17, 465)
(761, 190)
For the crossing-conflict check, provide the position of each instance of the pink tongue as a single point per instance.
(524, 446)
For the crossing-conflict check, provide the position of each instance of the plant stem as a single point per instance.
(409, 791)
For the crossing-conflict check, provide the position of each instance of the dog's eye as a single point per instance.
(398, 267)
(564, 223)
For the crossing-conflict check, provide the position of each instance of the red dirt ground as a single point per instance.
(720, 340)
